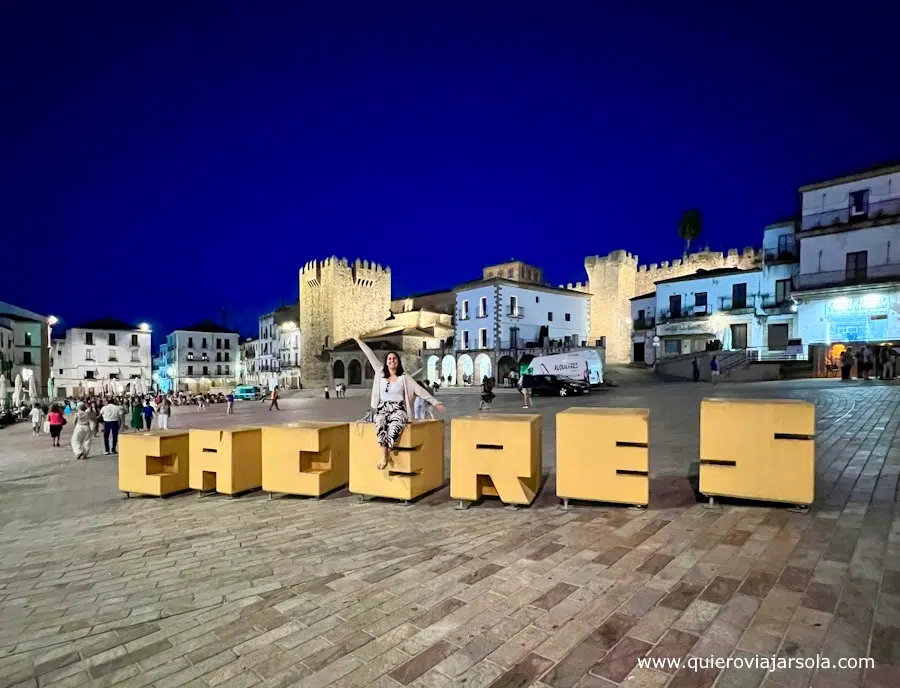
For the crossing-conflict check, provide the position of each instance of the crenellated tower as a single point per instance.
(339, 300)
(612, 282)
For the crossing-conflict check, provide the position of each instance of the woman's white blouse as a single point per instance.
(391, 391)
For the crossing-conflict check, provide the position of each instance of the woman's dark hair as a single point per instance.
(386, 372)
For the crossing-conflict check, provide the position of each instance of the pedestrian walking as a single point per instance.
(112, 418)
(163, 413)
(274, 398)
(695, 369)
(527, 382)
(714, 369)
(229, 409)
(487, 393)
(148, 414)
(36, 417)
(85, 421)
(137, 415)
(56, 419)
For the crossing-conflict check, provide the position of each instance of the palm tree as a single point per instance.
(690, 227)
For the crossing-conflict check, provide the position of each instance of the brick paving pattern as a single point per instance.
(98, 590)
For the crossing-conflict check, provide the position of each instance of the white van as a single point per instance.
(584, 364)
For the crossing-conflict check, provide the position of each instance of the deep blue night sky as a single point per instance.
(160, 160)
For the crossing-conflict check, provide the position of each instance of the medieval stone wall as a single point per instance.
(615, 279)
(339, 300)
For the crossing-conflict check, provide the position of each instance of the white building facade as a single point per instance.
(202, 357)
(247, 373)
(848, 285)
(26, 336)
(290, 342)
(643, 330)
(106, 356)
(500, 322)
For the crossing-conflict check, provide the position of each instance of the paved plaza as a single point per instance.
(99, 590)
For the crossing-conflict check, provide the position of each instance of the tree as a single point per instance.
(690, 227)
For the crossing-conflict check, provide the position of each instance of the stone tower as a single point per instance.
(338, 300)
(611, 282)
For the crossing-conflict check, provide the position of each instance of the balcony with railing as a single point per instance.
(731, 305)
(644, 323)
(683, 313)
(871, 274)
(774, 306)
(786, 253)
(517, 312)
(887, 208)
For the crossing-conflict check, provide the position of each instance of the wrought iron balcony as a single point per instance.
(669, 314)
(770, 304)
(782, 254)
(887, 208)
(728, 303)
(872, 274)
(517, 312)
(644, 323)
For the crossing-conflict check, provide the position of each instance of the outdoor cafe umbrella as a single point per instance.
(17, 392)
(2, 390)
(32, 389)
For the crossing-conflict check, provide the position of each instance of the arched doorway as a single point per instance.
(505, 366)
(483, 368)
(448, 368)
(337, 371)
(464, 367)
(354, 373)
(431, 369)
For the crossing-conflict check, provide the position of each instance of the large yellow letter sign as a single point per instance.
(758, 449)
(603, 455)
(308, 458)
(227, 461)
(416, 467)
(497, 455)
(154, 463)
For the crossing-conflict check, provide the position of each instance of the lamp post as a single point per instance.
(45, 384)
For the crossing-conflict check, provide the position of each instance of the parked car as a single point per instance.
(250, 392)
(558, 385)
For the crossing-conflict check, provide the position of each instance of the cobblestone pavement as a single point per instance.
(99, 590)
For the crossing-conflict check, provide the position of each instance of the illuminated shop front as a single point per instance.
(850, 320)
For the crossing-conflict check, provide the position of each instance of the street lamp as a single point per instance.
(144, 327)
(52, 320)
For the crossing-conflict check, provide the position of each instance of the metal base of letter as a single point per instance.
(462, 505)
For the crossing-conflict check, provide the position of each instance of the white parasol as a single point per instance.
(50, 386)
(17, 392)
(2, 391)
(32, 390)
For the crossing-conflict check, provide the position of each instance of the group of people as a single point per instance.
(878, 361)
(110, 415)
(714, 372)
